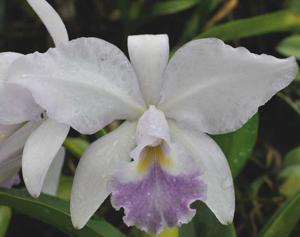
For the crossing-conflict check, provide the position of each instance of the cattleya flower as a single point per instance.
(160, 160)
(24, 124)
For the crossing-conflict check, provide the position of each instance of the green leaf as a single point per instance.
(291, 164)
(284, 220)
(295, 6)
(291, 170)
(5, 215)
(205, 224)
(237, 146)
(172, 6)
(279, 21)
(292, 157)
(65, 187)
(290, 186)
(290, 46)
(55, 212)
(76, 146)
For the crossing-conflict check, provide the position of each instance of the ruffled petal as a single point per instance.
(86, 68)
(39, 151)
(215, 88)
(157, 190)
(216, 172)
(16, 103)
(51, 182)
(51, 20)
(149, 55)
(96, 166)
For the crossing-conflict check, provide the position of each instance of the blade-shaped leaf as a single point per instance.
(5, 215)
(284, 220)
(172, 6)
(55, 212)
(237, 146)
(292, 157)
(291, 173)
(290, 46)
(273, 22)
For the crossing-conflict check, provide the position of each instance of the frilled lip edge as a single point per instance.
(159, 200)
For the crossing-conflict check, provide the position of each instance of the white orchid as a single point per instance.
(160, 159)
(23, 122)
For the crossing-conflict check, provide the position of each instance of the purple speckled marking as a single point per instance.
(8, 183)
(159, 200)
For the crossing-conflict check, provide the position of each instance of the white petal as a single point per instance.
(51, 182)
(216, 172)
(14, 144)
(152, 125)
(86, 83)
(7, 130)
(10, 167)
(51, 20)
(39, 151)
(16, 103)
(149, 55)
(6, 60)
(152, 130)
(215, 88)
(95, 169)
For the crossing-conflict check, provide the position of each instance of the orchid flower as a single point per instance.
(160, 160)
(24, 124)
(9, 173)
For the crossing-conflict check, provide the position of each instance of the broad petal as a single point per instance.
(6, 60)
(216, 172)
(39, 151)
(51, 20)
(7, 130)
(149, 55)
(16, 103)
(99, 162)
(13, 144)
(51, 182)
(86, 68)
(215, 88)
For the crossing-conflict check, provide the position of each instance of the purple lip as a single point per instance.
(159, 200)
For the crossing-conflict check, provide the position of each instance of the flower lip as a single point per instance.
(158, 186)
